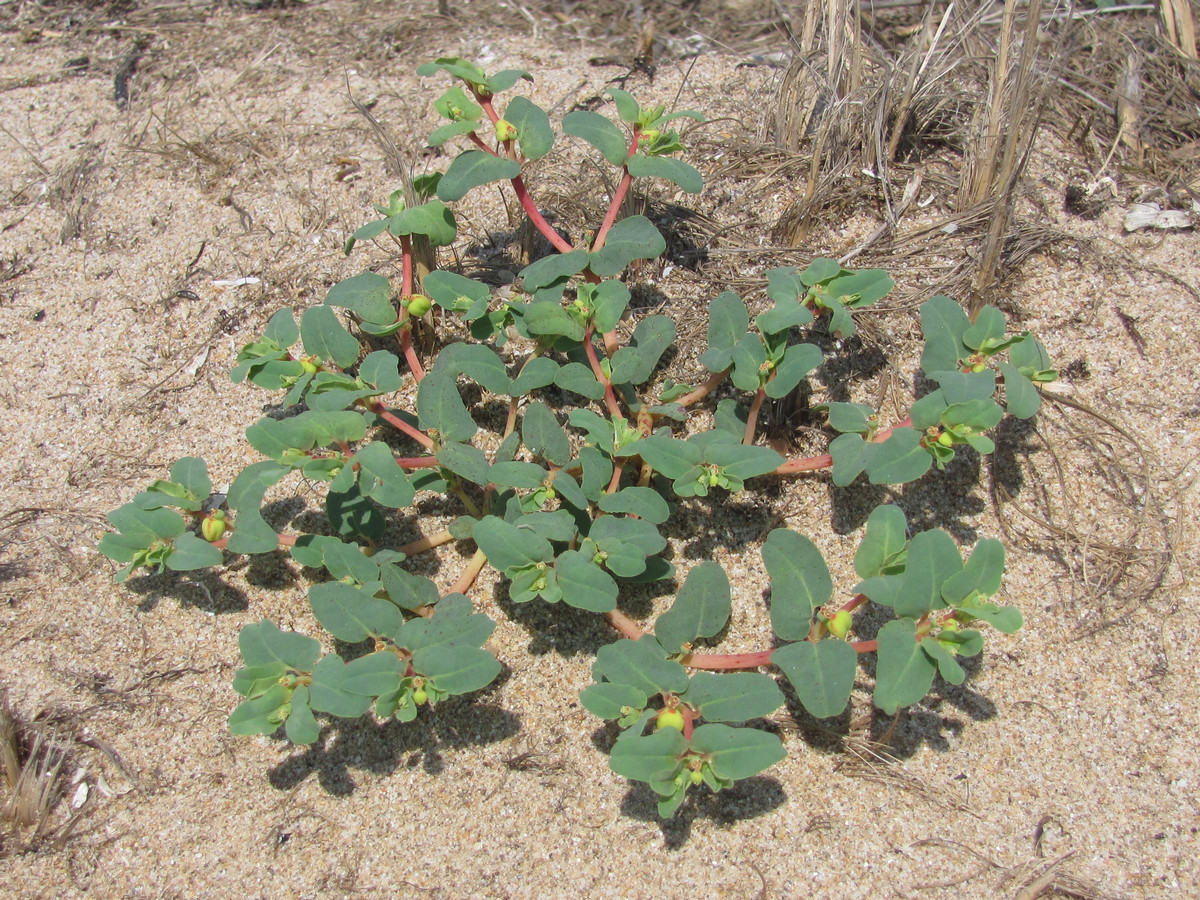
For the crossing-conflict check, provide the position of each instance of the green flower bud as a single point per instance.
(420, 696)
(696, 776)
(946, 439)
(839, 625)
(670, 718)
(213, 527)
(418, 305)
(506, 130)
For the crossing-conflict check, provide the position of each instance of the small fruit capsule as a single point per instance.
(670, 718)
(505, 130)
(950, 625)
(309, 365)
(713, 478)
(420, 696)
(418, 305)
(839, 625)
(978, 367)
(696, 776)
(946, 439)
(213, 527)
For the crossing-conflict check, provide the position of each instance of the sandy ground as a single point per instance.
(1069, 756)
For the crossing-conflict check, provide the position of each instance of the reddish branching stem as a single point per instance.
(713, 382)
(824, 461)
(536, 217)
(474, 567)
(410, 354)
(400, 425)
(610, 399)
(752, 417)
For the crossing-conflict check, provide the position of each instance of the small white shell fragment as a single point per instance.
(236, 282)
(80, 796)
(1152, 215)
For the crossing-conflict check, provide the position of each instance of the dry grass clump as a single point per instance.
(32, 757)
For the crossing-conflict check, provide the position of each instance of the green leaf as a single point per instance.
(352, 514)
(1030, 357)
(263, 644)
(191, 473)
(192, 553)
(282, 329)
(1005, 619)
(630, 239)
(865, 287)
(255, 716)
(326, 338)
(798, 361)
(635, 363)
(502, 81)
(551, 320)
(607, 700)
(534, 133)
(301, 726)
(737, 753)
(456, 670)
(453, 65)
(645, 503)
(254, 681)
(450, 291)
(904, 673)
(643, 664)
(374, 675)
(733, 696)
(988, 325)
(943, 323)
(899, 459)
(517, 474)
(822, 674)
(851, 418)
(508, 547)
(584, 584)
(820, 270)
(749, 363)
(609, 300)
(980, 576)
(473, 168)
(453, 625)
(579, 379)
(701, 608)
(673, 170)
(800, 582)
(849, 452)
(947, 664)
(648, 757)
(932, 558)
(351, 614)
(369, 295)
(550, 269)
(381, 478)
(544, 436)
(627, 107)
(727, 323)
(1021, 398)
(786, 315)
(253, 534)
(466, 462)
(327, 694)
(456, 104)
(145, 526)
(344, 560)
(979, 415)
(884, 539)
(440, 407)
(627, 542)
(599, 132)
(668, 455)
(432, 219)
(964, 387)
(406, 590)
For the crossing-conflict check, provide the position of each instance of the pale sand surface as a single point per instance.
(1064, 747)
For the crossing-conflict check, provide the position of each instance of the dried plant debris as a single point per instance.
(33, 758)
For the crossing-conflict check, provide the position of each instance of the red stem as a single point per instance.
(752, 417)
(613, 209)
(406, 266)
(714, 381)
(610, 399)
(824, 461)
(410, 354)
(417, 462)
(396, 422)
(536, 217)
(719, 661)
